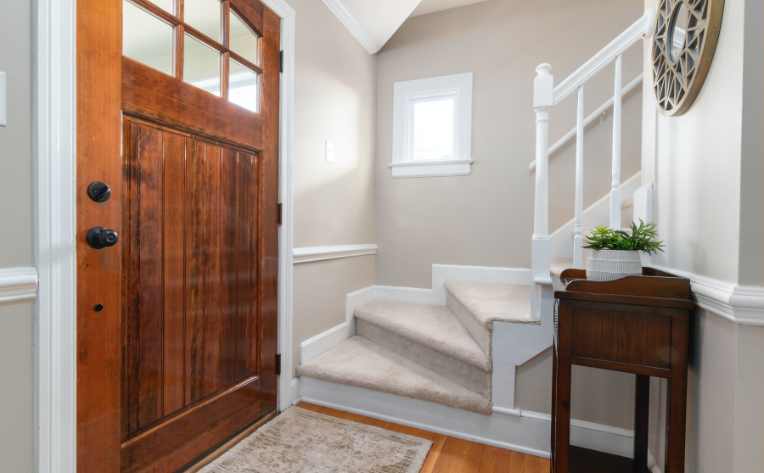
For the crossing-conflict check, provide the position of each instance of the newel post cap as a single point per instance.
(543, 87)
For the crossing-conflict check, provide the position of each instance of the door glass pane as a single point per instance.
(205, 16)
(244, 87)
(146, 38)
(244, 40)
(201, 65)
(166, 5)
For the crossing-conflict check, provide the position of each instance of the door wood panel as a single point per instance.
(182, 355)
(190, 271)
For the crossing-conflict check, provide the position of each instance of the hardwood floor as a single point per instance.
(452, 455)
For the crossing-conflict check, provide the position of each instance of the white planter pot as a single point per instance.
(609, 265)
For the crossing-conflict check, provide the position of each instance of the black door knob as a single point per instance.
(100, 238)
(99, 191)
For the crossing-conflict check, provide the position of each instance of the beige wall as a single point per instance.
(334, 202)
(16, 365)
(486, 218)
(707, 168)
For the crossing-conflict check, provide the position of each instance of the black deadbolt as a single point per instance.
(99, 191)
(100, 238)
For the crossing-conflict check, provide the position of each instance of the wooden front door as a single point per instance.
(178, 228)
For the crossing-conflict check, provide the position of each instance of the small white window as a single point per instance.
(432, 127)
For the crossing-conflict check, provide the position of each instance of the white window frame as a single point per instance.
(406, 94)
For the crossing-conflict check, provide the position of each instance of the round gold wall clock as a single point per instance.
(686, 34)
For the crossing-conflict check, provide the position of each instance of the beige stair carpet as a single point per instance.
(491, 302)
(430, 325)
(361, 363)
(300, 441)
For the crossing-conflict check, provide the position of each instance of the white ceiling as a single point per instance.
(373, 23)
(432, 6)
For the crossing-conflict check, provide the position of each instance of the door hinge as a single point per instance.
(278, 364)
(281, 61)
(280, 213)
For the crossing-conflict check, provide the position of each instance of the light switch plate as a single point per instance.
(3, 99)
(329, 152)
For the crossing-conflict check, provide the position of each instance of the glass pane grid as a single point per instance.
(155, 40)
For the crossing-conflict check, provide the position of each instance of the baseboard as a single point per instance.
(652, 463)
(497, 430)
(521, 431)
(314, 347)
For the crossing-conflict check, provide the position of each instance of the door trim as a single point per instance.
(55, 218)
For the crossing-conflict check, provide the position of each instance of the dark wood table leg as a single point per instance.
(641, 423)
(561, 424)
(676, 424)
(676, 418)
(554, 405)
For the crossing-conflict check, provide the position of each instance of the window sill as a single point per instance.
(432, 168)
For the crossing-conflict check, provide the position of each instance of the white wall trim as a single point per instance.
(338, 8)
(521, 431)
(310, 254)
(54, 235)
(287, 138)
(743, 305)
(455, 87)
(432, 168)
(17, 285)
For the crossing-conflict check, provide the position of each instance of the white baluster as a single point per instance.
(543, 100)
(578, 235)
(615, 192)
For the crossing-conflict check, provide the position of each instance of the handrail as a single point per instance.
(591, 118)
(545, 97)
(607, 55)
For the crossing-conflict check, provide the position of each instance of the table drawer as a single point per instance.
(625, 334)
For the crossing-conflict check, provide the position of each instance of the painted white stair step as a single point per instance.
(362, 363)
(432, 326)
(479, 304)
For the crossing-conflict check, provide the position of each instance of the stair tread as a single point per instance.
(361, 363)
(433, 326)
(490, 302)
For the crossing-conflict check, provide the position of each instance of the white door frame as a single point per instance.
(55, 218)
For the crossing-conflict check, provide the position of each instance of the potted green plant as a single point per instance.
(617, 253)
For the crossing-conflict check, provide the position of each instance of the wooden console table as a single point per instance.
(638, 325)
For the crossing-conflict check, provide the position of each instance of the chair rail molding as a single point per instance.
(743, 305)
(17, 285)
(312, 254)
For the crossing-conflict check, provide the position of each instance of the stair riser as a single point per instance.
(475, 328)
(459, 372)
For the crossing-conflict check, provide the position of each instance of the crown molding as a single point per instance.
(17, 284)
(338, 8)
(743, 305)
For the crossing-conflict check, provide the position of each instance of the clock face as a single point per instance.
(686, 34)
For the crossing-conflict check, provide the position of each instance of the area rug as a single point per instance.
(301, 441)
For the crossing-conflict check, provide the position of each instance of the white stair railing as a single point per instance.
(547, 96)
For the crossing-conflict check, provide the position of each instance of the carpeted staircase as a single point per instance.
(441, 354)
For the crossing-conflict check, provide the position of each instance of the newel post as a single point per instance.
(543, 100)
